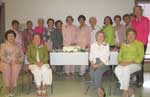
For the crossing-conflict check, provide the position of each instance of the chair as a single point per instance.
(1, 86)
(107, 75)
(31, 81)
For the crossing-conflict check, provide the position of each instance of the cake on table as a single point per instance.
(71, 48)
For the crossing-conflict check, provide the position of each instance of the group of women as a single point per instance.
(31, 47)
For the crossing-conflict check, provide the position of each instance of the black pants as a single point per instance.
(142, 76)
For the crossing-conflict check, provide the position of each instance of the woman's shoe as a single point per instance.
(44, 93)
(132, 95)
(11, 95)
(38, 93)
(101, 92)
(104, 95)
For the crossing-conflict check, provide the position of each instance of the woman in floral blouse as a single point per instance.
(11, 59)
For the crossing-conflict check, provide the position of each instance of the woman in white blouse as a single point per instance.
(99, 58)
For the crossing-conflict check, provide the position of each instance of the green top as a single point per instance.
(131, 52)
(109, 32)
(57, 39)
(32, 52)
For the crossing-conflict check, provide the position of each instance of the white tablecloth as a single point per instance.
(69, 58)
(77, 58)
(113, 58)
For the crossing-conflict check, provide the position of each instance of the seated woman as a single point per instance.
(130, 56)
(38, 58)
(11, 57)
(99, 58)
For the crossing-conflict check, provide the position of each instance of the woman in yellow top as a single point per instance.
(130, 57)
(109, 31)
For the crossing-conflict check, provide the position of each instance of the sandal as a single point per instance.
(44, 93)
(38, 93)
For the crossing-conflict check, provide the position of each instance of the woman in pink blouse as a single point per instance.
(119, 31)
(83, 38)
(40, 28)
(69, 38)
(11, 57)
(141, 25)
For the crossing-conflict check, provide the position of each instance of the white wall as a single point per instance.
(24, 10)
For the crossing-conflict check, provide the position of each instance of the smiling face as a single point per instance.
(50, 24)
(15, 26)
(36, 39)
(41, 23)
(81, 21)
(131, 36)
(59, 25)
(92, 21)
(69, 21)
(100, 37)
(11, 38)
(138, 11)
(29, 25)
(127, 19)
(107, 21)
(117, 21)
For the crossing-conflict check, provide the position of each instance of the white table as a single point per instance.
(69, 58)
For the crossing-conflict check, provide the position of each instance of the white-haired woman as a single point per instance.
(99, 58)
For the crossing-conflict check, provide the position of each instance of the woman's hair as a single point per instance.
(70, 18)
(51, 19)
(111, 22)
(28, 22)
(131, 30)
(126, 15)
(58, 21)
(83, 17)
(9, 32)
(138, 6)
(14, 22)
(99, 32)
(40, 19)
(117, 16)
(34, 34)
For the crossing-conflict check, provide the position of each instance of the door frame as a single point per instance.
(2, 22)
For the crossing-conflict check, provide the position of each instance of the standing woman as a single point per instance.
(11, 57)
(109, 32)
(37, 55)
(15, 28)
(119, 31)
(58, 37)
(49, 33)
(40, 28)
(99, 58)
(27, 39)
(70, 39)
(127, 21)
(141, 25)
(27, 35)
(83, 39)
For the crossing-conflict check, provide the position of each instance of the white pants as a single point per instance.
(42, 75)
(123, 74)
(82, 69)
(69, 69)
(25, 59)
